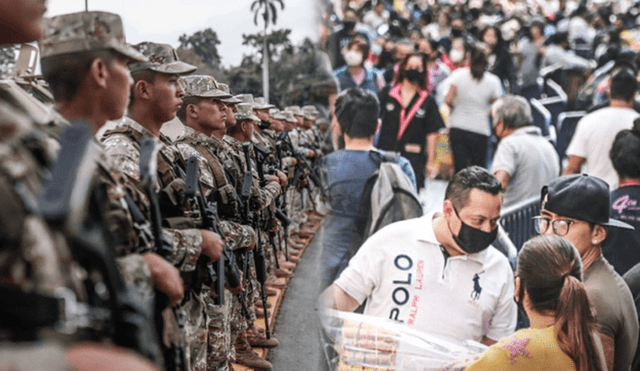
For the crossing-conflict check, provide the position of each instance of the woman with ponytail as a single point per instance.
(563, 333)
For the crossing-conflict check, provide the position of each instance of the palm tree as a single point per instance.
(269, 14)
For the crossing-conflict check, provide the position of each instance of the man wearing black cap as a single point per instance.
(576, 207)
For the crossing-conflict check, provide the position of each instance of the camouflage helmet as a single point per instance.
(261, 103)
(246, 98)
(288, 117)
(85, 32)
(311, 108)
(162, 58)
(295, 110)
(245, 112)
(202, 86)
(225, 88)
(276, 114)
(308, 114)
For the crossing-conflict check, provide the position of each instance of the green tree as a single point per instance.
(205, 45)
(269, 12)
(294, 73)
(277, 43)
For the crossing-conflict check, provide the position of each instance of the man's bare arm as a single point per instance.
(608, 346)
(574, 165)
(503, 177)
(336, 298)
(488, 342)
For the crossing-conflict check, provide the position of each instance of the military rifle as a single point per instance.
(226, 266)
(259, 257)
(175, 355)
(70, 204)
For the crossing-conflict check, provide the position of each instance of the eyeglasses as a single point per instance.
(560, 226)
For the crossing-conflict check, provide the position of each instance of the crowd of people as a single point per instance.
(477, 73)
(122, 248)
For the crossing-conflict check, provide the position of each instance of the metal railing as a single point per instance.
(517, 220)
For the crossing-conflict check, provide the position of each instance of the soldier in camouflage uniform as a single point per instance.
(238, 323)
(236, 135)
(36, 258)
(66, 51)
(202, 113)
(155, 100)
(263, 138)
(296, 196)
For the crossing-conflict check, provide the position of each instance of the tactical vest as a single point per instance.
(178, 212)
(225, 193)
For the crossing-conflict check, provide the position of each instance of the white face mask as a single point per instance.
(376, 49)
(456, 55)
(353, 58)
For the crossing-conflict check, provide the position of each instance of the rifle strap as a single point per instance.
(28, 309)
(164, 168)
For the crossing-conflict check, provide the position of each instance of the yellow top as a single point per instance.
(527, 349)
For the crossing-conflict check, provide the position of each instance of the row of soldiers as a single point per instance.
(134, 251)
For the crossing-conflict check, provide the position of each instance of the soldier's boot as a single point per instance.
(281, 273)
(259, 304)
(296, 243)
(289, 265)
(295, 252)
(293, 258)
(247, 357)
(257, 339)
(273, 281)
(306, 233)
(271, 291)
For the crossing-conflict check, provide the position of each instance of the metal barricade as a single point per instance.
(517, 220)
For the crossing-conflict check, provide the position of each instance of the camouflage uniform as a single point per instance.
(85, 32)
(36, 258)
(236, 235)
(123, 146)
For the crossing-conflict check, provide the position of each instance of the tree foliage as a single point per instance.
(268, 9)
(205, 45)
(294, 76)
(277, 43)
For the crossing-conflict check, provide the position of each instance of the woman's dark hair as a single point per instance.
(363, 46)
(550, 271)
(402, 69)
(625, 152)
(500, 40)
(357, 113)
(478, 61)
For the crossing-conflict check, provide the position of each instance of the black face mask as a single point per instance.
(456, 32)
(473, 240)
(264, 125)
(415, 76)
(349, 26)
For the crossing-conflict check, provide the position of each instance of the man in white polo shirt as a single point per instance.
(438, 273)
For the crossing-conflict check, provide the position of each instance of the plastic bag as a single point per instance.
(367, 342)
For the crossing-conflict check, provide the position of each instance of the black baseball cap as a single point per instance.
(580, 196)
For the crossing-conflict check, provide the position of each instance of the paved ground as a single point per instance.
(296, 321)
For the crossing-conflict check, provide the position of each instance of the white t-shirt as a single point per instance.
(529, 159)
(473, 99)
(594, 137)
(402, 272)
